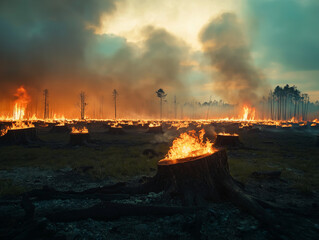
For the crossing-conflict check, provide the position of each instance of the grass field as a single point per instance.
(121, 157)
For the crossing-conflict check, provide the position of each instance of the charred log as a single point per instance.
(107, 211)
(266, 174)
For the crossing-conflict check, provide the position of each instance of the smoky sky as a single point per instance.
(52, 44)
(286, 32)
(237, 80)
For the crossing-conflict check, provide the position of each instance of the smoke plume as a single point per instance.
(53, 45)
(237, 81)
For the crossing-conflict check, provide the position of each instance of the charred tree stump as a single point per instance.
(227, 141)
(157, 129)
(79, 139)
(60, 129)
(201, 179)
(22, 136)
(116, 131)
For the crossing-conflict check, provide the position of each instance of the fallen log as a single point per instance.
(106, 193)
(107, 211)
(266, 174)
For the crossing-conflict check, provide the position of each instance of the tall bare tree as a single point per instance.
(115, 94)
(83, 104)
(46, 103)
(161, 95)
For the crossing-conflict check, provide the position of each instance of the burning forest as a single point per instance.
(130, 120)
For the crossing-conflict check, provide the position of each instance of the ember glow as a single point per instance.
(79, 130)
(189, 144)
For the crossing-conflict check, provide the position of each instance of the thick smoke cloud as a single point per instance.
(238, 81)
(52, 44)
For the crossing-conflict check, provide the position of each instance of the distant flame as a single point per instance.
(20, 104)
(248, 113)
(154, 125)
(80, 130)
(189, 145)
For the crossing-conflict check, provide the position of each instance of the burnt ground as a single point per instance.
(292, 197)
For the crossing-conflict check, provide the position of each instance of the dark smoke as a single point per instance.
(238, 81)
(51, 44)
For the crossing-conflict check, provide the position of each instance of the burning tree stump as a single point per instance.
(79, 139)
(157, 129)
(202, 179)
(20, 136)
(227, 140)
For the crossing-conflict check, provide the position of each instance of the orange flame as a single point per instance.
(16, 125)
(189, 145)
(20, 104)
(154, 124)
(227, 134)
(248, 113)
(79, 130)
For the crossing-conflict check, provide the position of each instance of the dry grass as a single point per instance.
(121, 157)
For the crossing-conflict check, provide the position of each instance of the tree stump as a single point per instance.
(156, 130)
(116, 131)
(20, 136)
(60, 129)
(79, 139)
(203, 179)
(227, 140)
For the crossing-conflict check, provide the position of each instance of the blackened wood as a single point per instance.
(227, 141)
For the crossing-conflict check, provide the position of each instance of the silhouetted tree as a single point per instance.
(83, 104)
(161, 94)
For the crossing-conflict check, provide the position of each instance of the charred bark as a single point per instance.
(203, 179)
(227, 141)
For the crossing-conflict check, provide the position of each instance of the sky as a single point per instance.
(235, 50)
